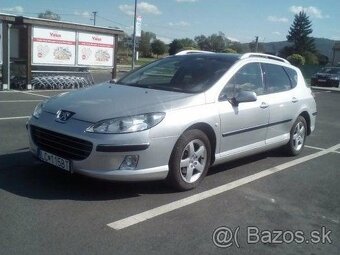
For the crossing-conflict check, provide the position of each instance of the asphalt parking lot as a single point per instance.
(46, 211)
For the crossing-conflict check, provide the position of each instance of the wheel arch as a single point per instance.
(209, 131)
(306, 116)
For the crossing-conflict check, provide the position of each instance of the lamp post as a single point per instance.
(134, 37)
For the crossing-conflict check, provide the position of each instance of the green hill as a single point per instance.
(323, 46)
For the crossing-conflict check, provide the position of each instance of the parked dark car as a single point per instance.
(327, 77)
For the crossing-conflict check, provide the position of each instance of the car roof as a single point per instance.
(223, 56)
(234, 57)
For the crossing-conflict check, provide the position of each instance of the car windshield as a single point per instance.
(331, 70)
(188, 74)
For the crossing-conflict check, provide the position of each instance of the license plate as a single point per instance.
(54, 160)
(321, 80)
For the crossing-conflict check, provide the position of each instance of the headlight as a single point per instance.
(127, 124)
(335, 78)
(38, 109)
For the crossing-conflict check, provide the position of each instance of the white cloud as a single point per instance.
(311, 11)
(233, 39)
(277, 33)
(127, 9)
(166, 40)
(142, 8)
(15, 9)
(145, 7)
(277, 19)
(188, 1)
(85, 14)
(179, 24)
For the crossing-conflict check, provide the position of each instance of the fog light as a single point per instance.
(129, 163)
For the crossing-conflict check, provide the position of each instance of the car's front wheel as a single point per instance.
(190, 160)
(298, 135)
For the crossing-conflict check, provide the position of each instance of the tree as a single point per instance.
(311, 58)
(238, 47)
(299, 34)
(203, 42)
(49, 15)
(158, 47)
(145, 43)
(296, 59)
(178, 45)
(215, 42)
(188, 43)
(124, 48)
(218, 42)
(286, 51)
(175, 46)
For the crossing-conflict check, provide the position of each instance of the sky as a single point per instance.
(239, 20)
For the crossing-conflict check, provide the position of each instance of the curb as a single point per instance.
(326, 89)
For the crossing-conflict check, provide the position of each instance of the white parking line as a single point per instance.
(319, 149)
(20, 101)
(149, 214)
(315, 148)
(52, 90)
(30, 93)
(15, 118)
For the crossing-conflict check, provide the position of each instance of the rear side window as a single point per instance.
(276, 78)
(292, 76)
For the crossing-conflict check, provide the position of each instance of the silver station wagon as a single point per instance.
(174, 118)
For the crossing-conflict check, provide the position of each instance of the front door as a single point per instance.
(243, 127)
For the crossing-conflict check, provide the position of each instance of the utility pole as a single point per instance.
(94, 17)
(256, 43)
(134, 37)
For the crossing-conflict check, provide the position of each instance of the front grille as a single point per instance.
(62, 145)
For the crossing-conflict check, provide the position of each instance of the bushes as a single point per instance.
(310, 58)
(229, 50)
(296, 59)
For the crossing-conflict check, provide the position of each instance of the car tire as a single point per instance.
(298, 135)
(189, 161)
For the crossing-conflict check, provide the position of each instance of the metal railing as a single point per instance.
(61, 79)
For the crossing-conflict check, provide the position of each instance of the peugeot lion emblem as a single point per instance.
(63, 115)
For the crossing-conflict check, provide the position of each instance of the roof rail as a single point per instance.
(185, 52)
(262, 55)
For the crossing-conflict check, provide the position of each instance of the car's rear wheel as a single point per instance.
(298, 135)
(190, 160)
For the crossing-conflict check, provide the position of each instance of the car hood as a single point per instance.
(105, 101)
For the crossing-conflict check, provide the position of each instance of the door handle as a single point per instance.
(294, 100)
(264, 105)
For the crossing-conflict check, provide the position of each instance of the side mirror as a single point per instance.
(114, 81)
(243, 97)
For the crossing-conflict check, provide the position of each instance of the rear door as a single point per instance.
(282, 101)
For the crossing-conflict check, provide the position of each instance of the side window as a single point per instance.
(276, 78)
(292, 76)
(248, 78)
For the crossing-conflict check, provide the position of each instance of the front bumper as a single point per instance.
(104, 161)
